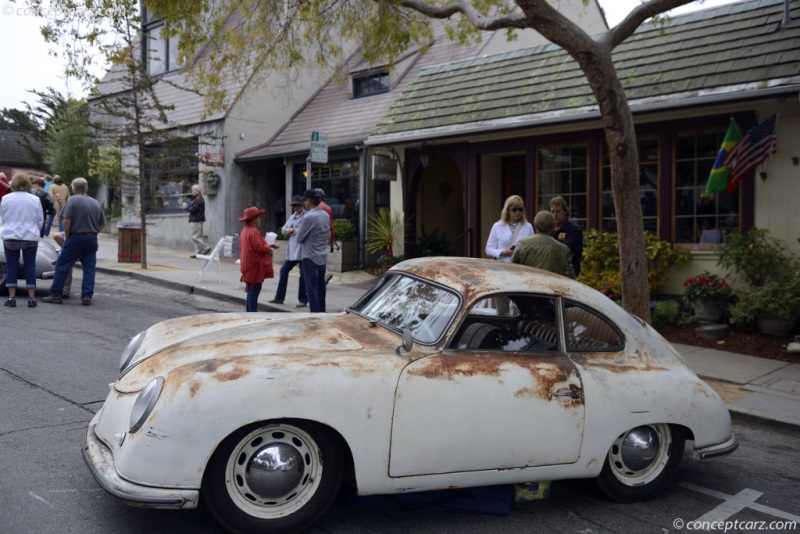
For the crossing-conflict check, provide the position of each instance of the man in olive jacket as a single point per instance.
(542, 251)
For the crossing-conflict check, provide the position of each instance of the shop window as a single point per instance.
(160, 51)
(170, 171)
(563, 171)
(339, 180)
(698, 219)
(373, 83)
(648, 188)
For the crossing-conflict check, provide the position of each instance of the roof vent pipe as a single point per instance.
(785, 21)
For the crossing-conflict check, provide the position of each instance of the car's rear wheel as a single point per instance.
(273, 478)
(641, 462)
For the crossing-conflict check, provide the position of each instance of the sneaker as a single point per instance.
(52, 299)
(274, 301)
(32, 303)
(86, 300)
(328, 277)
(11, 302)
(301, 304)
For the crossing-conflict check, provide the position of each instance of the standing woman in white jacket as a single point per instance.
(22, 221)
(509, 230)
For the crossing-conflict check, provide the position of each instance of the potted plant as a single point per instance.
(770, 292)
(708, 294)
(212, 182)
(773, 307)
(385, 229)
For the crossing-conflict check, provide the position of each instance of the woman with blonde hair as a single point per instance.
(22, 221)
(509, 230)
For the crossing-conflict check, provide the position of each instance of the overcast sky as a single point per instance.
(25, 63)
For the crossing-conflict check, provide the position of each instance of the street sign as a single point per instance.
(319, 147)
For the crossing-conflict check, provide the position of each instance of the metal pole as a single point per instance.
(308, 172)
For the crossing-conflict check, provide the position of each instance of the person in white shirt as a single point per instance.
(23, 218)
(509, 230)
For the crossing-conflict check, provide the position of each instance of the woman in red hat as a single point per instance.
(254, 255)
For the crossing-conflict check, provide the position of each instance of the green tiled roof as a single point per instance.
(715, 51)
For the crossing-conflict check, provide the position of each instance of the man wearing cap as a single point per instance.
(292, 256)
(255, 256)
(313, 236)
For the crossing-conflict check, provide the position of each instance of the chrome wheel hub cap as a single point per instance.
(274, 470)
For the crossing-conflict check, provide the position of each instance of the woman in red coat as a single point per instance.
(254, 255)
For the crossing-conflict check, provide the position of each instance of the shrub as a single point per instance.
(670, 312)
(757, 256)
(773, 298)
(600, 265)
(434, 244)
(345, 229)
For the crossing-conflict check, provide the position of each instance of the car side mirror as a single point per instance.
(408, 342)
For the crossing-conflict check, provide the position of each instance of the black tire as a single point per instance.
(640, 477)
(304, 458)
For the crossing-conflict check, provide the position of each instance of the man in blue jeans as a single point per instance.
(313, 236)
(83, 220)
(292, 256)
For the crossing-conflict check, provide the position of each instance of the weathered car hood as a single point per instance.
(213, 343)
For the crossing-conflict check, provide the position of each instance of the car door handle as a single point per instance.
(571, 393)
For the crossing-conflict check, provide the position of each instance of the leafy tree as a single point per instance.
(28, 126)
(69, 141)
(129, 117)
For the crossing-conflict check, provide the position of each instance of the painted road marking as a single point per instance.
(733, 504)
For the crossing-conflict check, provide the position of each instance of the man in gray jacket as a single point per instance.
(313, 236)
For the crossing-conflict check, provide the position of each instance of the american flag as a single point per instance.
(757, 144)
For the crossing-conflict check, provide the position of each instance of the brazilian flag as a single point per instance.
(718, 179)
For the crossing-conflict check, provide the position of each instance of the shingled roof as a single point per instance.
(348, 121)
(13, 150)
(730, 52)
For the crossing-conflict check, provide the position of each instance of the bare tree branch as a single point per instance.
(641, 13)
(464, 7)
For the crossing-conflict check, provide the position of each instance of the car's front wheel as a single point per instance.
(641, 462)
(273, 478)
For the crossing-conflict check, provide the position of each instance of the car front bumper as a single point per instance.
(100, 460)
(720, 449)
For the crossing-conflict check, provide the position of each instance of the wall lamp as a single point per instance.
(425, 158)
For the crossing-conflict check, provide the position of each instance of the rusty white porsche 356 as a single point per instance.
(265, 415)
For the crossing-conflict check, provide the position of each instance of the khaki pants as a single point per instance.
(197, 237)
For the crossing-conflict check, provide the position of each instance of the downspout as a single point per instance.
(362, 205)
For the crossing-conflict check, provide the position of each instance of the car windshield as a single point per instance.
(405, 303)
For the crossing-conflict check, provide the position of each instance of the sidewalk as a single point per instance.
(755, 388)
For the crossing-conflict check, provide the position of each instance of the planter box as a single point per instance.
(279, 254)
(344, 258)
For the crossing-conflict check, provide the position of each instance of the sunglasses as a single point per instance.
(517, 209)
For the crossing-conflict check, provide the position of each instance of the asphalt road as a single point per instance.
(56, 363)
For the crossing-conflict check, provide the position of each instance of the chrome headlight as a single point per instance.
(145, 403)
(130, 350)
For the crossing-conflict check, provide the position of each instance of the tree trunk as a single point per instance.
(624, 158)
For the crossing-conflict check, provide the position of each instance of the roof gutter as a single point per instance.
(645, 105)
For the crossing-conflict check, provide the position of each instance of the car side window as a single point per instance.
(586, 331)
(517, 323)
